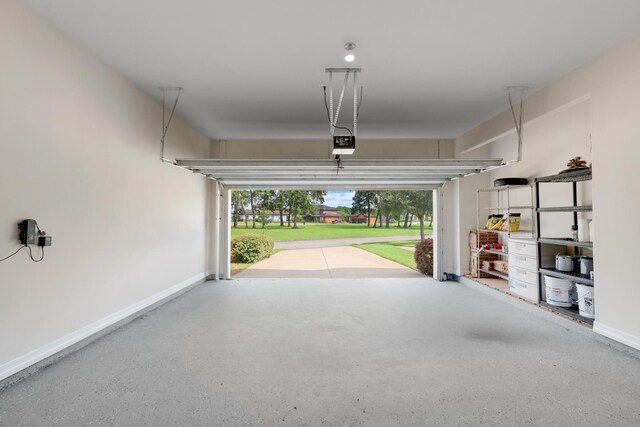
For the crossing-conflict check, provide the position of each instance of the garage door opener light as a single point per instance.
(349, 57)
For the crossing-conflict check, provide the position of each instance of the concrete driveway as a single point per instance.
(346, 241)
(327, 263)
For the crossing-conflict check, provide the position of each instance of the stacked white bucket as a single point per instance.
(585, 300)
(558, 291)
(565, 293)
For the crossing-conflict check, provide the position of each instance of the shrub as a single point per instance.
(250, 248)
(424, 256)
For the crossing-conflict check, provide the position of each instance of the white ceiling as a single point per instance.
(253, 69)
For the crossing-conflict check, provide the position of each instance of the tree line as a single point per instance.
(296, 202)
(382, 206)
(399, 205)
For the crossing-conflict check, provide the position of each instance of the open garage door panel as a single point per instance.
(337, 174)
(237, 174)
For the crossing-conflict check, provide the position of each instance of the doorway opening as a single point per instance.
(229, 175)
(331, 233)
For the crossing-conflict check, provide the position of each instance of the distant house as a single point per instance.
(381, 220)
(325, 214)
(358, 218)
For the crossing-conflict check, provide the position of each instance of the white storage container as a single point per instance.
(526, 247)
(521, 261)
(523, 275)
(523, 268)
(526, 290)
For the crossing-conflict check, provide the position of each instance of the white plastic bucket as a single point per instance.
(573, 294)
(557, 291)
(585, 301)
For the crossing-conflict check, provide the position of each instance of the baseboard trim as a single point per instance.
(29, 363)
(617, 335)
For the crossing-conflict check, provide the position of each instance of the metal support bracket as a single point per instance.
(335, 113)
(517, 121)
(165, 126)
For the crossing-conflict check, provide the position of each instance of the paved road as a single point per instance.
(327, 263)
(347, 241)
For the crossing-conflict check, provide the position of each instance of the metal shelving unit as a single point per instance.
(566, 209)
(520, 231)
(495, 273)
(573, 178)
(503, 196)
(494, 251)
(569, 312)
(574, 277)
(565, 242)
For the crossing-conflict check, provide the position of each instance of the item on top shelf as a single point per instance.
(514, 222)
(500, 182)
(564, 263)
(492, 220)
(576, 164)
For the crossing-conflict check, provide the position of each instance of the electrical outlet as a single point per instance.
(44, 241)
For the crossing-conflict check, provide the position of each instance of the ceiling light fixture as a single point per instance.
(349, 57)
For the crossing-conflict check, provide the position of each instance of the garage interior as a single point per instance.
(131, 309)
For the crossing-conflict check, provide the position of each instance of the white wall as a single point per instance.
(596, 105)
(79, 149)
(460, 214)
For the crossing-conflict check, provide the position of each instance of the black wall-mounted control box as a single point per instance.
(44, 241)
(27, 231)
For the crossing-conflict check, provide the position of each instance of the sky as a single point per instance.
(339, 198)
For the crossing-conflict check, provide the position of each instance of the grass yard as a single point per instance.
(325, 231)
(392, 251)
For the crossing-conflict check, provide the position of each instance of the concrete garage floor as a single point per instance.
(325, 263)
(336, 352)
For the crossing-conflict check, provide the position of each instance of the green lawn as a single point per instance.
(391, 251)
(325, 231)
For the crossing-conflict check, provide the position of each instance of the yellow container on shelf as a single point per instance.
(514, 222)
(492, 220)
